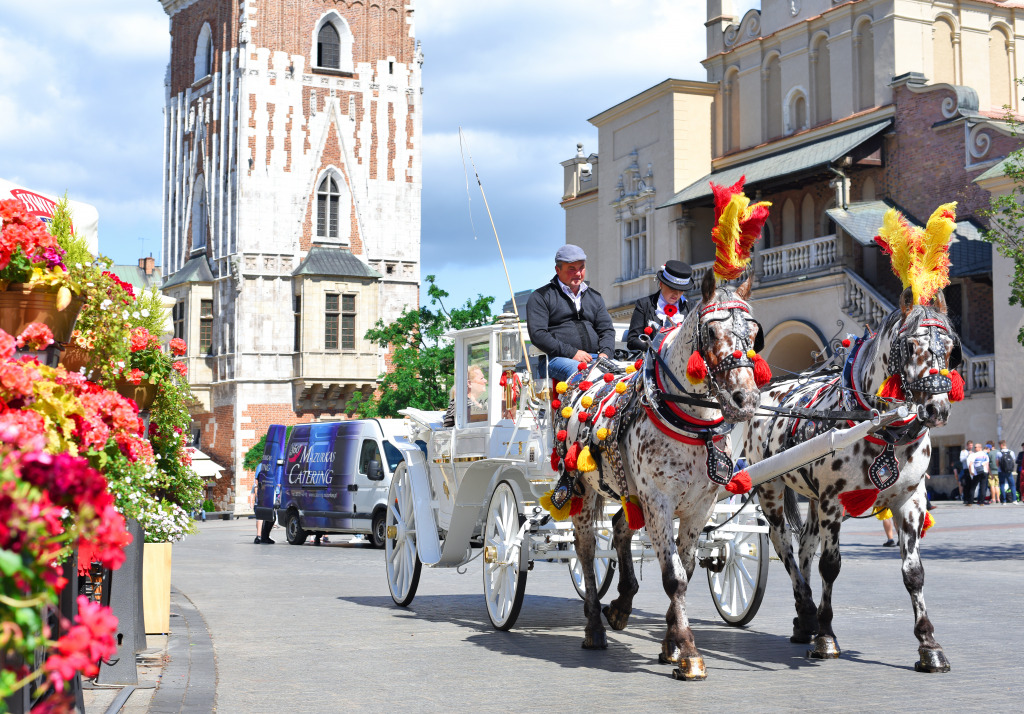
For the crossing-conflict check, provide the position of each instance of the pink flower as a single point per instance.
(135, 376)
(178, 347)
(142, 339)
(181, 368)
(7, 345)
(36, 336)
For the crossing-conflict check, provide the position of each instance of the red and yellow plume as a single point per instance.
(737, 225)
(920, 258)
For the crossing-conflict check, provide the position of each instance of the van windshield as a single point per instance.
(393, 455)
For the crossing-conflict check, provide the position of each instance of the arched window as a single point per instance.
(822, 83)
(999, 68)
(788, 222)
(807, 218)
(327, 199)
(204, 54)
(334, 43)
(943, 57)
(796, 112)
(199, 217)
(867, 189)
(732, 123)
(865, 44)
(772, 75)
(767, 235)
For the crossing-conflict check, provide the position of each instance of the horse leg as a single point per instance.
(805, 625)
(594, 637)
(617, 612)
(678, 646)
(830, 516)
(909, 519)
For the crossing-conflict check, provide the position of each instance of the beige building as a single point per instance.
(835, 112)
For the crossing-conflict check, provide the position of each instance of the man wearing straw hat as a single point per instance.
(567, 319)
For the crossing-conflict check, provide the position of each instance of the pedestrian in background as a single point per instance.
(1007, 474)
(965, 479)
(1020, 473)
(993, 473)
(977, 466)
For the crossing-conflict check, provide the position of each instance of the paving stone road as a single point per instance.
(313, 629)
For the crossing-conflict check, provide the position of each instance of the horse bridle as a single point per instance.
(934, 382)
(740, 329)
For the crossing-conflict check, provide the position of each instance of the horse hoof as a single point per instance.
(617, 619)
(595, 642)
(825, 647)
(931, 661)
(690, 669)
(801, 638)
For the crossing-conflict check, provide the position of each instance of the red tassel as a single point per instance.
(609, 412)
(762, 372)
(571, 455)
(634, 514)
(638, 364)
(956, 392)
(554, 459)
(696, 368)
(562, 433)
(585, 385)
(856, 502)
(556, 403)
(581, 366)
(575, 506)
(648, 331)
(740, 482)
(928, 523)
(608, 376)
(892, 388)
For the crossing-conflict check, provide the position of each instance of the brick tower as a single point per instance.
(291, 195)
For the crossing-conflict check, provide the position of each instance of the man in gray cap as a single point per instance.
(567, 319)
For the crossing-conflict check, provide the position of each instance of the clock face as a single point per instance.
(794, 7)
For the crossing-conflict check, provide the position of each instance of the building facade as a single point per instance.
(292, 181)
(834, 112)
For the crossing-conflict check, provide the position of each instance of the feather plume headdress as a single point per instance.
(737, 225)
(920, 257)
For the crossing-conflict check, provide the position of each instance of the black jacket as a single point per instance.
(645, 313)
(559, 330)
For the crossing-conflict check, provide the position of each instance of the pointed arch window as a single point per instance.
(199, 216)
(328, 200)
(332, 44)
(204, 54)
(328, 47)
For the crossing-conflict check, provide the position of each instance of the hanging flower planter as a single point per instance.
(73, 358)
(143, 393)
(22, 304)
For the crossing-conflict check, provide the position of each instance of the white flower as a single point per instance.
(120, 363)
(136, 314)
(145, 313)
(79, 266)
(124, 314)
(105, 304)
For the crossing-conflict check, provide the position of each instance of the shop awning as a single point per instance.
(792, 162)
(204, 466)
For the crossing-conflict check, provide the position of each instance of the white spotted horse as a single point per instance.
(663, 449)
(916, 349)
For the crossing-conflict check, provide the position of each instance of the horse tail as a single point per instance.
(791, 508)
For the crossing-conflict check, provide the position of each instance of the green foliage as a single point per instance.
(254, 455)
(1006, 214)
(423, 360)
(208, 506)
(149, 312)
(76, 249)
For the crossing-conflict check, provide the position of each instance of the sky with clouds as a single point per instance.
(82, 93)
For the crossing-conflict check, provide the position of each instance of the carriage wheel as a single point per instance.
(400, 555)
(505, 562)
(604, 568)
(738, 589)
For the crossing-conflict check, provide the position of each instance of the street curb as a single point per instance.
(189, 680)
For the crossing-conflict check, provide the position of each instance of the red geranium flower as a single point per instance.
(178, 347)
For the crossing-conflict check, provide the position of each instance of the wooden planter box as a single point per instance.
(156, 587)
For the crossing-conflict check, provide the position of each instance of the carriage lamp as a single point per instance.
(510, 352)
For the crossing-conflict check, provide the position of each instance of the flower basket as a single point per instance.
(156, 587)
(143, 393)
(22, 304)
(73, 358)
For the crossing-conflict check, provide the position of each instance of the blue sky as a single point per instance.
(81, 100)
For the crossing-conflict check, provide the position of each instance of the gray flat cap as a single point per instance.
(569, 253)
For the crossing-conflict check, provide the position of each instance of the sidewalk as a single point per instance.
(182, 665)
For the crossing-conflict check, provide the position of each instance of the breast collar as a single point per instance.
(896, 434)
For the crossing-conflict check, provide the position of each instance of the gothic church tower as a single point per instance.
(291, 194)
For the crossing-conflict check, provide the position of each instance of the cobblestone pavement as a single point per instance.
(313, 629)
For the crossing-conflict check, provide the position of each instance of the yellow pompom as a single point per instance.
(883, 513)
(944, 372)
(566, 412)
(630, 369)
(620, 387)
(586, 462)
(559, 514)
(587, 401)
(561, 387)
(751, 354)
(602, 434)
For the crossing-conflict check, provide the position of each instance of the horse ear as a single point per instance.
(939, 302)
(743, 291)
(907, 301)
(708, 286)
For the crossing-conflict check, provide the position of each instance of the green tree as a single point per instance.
(423, 360)
(1006, 216)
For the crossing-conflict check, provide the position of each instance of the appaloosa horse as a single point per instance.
(673, 458)
(917, 346)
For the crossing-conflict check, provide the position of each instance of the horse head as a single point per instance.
(924, 349)
(727, 336)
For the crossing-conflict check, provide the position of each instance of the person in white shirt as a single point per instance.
(977, 465)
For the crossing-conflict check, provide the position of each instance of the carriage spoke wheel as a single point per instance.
(505, 560)
(738, 589)
(400, 555)
(604, 568)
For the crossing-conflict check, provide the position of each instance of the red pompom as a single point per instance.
(648, 331)
(933, 370)
(762, 372)
(585, 385)
(583, 416)
(571, 454)
(634, 515)
(737, 354)
(638, 364)
(696, 368)
(556, 403)
(581, 366)
(608, 376)
(856, 502)
(892, 388)
(554, 459)
(846, 342)
(609, 412)
(562, 433)
(956, 392)
(740, 482)
(575, 506)
(928, 523)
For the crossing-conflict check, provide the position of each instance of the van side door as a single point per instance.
(268, 474)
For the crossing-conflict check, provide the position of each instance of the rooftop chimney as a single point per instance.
(147, 264)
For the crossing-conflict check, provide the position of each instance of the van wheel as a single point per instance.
(378, 531)
(293, 531)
